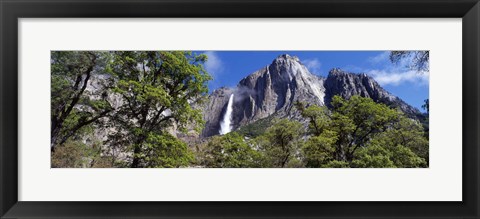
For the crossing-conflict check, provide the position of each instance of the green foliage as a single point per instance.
(229, 151)
(164, 150)
(336, 164)
(405, 157)
(376, 156)
(70, 155)
(256, 128)
(75, 154)
(319, 150)
(319, 118)
(356, 121)
(280, 143)
(159, 89)
(277, 147)
(373, 156)
(408, 134)
(156, 82)
(71, 72)
(361, 133)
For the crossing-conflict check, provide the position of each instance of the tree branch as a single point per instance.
(82, 124)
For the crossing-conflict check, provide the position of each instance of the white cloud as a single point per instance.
(313, 65)
(214, 64)
(385, 77)
(387, 73)
(380, 58)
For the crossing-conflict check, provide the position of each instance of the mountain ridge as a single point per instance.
(275, 88)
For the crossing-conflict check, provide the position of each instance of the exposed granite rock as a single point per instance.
(347, 84)
(213, 110)
(274, 89)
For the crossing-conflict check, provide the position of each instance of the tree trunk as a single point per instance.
(136, 160)
(54, 136)
(136, 151)
(57, 123)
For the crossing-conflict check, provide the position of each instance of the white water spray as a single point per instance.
(226, 124)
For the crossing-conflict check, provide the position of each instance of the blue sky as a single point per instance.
(229, 67)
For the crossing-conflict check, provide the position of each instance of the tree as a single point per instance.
(281, 142)
(356, 121)
(164, 150)
(373, 156)
(419, 60)
(229, 151)
(406, 139)
(381, 156)
(73, 107)
(158, 89)
(318, 116)
(426, 105)
(70, 155)
(319, 150)
(361, 133)
(75, 154)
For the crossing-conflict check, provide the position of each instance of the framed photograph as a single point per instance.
(255, 109)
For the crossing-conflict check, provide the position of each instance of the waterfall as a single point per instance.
(226, 124)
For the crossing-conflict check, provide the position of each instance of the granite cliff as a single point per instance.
(273, 90)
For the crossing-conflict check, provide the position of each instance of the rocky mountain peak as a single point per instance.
(273, 91)
(336, 72)
(286, 67)
(285, 58)
(347, 84)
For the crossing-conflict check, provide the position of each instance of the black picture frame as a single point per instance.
(12, 10)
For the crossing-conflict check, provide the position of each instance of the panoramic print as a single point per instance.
(239, 109)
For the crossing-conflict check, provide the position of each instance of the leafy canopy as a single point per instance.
(229, 151)
(158, 89)
(361, 133)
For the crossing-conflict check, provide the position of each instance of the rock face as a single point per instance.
(347, 84)
(214, 110)
(274, 89)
